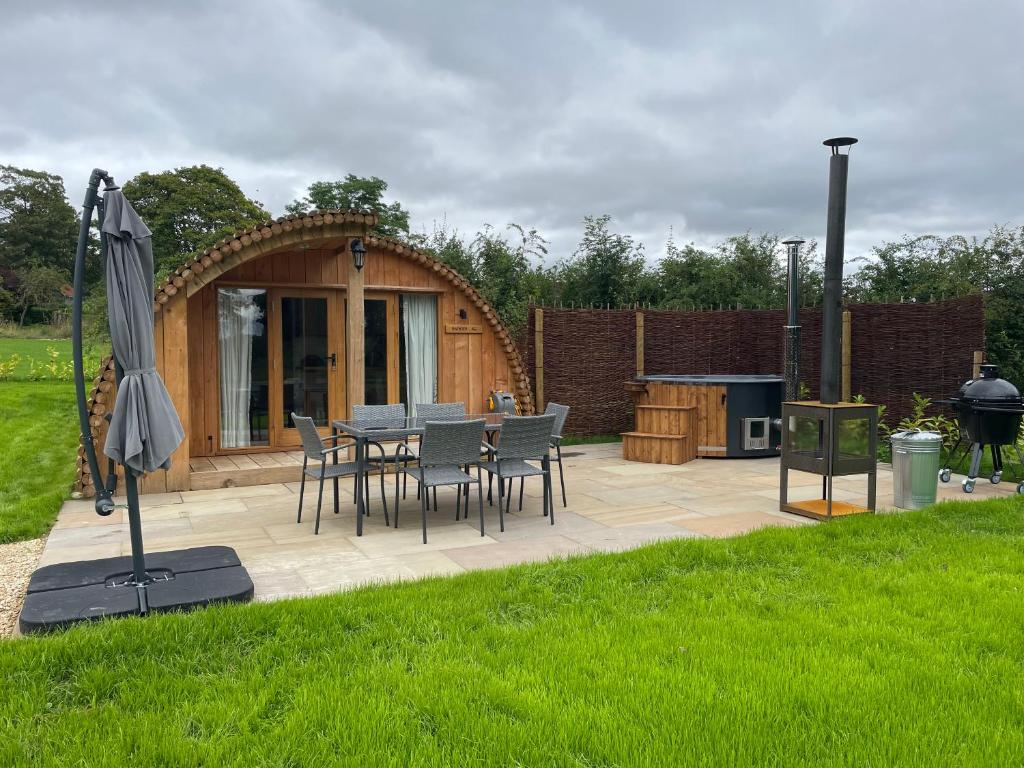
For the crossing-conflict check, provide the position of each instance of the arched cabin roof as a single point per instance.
(297, 230)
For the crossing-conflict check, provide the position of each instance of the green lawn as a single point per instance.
(873, 641)
(35, 348)
(37, 460)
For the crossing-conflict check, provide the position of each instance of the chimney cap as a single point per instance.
(839, 141)
(794, 240)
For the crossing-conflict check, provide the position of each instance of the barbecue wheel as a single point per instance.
(996, 477)
(968, 486)
(1020, 487)
(945, 475)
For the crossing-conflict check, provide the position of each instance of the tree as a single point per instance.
(38, 227)
(357, 194)
(742, 270)
(607, 269)
(189, 209)
(448, 246)
(504, 274)
(930, 267)
(39, 287)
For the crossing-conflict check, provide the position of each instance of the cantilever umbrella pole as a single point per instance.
(104, 500)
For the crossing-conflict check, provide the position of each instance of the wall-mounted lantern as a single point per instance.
(358, 253)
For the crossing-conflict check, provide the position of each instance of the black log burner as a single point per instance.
(826, 437)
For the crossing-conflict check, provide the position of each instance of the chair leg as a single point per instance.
(383, 498)
(319, 501)
(302, 489)
(522, 482)
(549, 490)
(561, 474)
(508, 497)
(423, 512)
(501, 505)
(480, 498)
(366, 492)
(458, 502)
(398, 493)
(435, 498)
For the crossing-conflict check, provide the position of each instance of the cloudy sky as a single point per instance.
(706, 118)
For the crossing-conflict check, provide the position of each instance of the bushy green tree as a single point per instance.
(39, 287)
(38, 233)
(743, 270)
(358, 194)
(505, 272)
(37, 224)
(931, 267)
(189, 209)
(607, 269)
(448, 246)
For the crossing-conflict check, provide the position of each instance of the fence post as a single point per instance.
(538, 356)
(979, 358)
(846, 357)
(639, 343)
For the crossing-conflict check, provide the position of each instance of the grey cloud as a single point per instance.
(704, 117)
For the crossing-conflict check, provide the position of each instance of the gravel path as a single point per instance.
(17, 561)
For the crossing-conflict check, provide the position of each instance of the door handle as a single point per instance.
(334, 361)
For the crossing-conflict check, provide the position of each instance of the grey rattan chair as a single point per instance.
(523, 439)
(561, 412)
(313, 450)
(436, 412)
(391, 416)
(447, 448)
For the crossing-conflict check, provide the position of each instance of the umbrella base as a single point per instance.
(67, 593)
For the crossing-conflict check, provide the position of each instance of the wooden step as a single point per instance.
(666, 420)
(231, 478)
(654, 448)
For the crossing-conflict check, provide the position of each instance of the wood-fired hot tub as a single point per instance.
(678, 418)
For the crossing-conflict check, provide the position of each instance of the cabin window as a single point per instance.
(418, 353)
(244, 383)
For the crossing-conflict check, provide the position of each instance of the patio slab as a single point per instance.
(614, 505)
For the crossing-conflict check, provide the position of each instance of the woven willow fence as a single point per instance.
(891, 351)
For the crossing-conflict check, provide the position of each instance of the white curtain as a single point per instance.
(420, 312)
(239, 319)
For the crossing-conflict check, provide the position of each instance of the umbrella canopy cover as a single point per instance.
(144, 429)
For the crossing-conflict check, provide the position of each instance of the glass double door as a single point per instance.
(308, 353)
(282, 351)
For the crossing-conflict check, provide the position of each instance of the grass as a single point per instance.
(34, 348)
(873, 641)
(37, 462)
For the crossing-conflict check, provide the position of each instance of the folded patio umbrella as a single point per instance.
(144, 429)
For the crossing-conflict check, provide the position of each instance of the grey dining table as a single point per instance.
(377, 431)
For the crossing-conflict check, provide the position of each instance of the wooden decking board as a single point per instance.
(244, 462)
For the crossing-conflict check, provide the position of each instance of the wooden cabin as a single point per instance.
(260, 326)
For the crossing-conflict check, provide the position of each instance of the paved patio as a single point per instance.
(613, 505)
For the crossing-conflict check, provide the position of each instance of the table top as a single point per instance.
(392, 428)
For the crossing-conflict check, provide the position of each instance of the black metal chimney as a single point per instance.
(792, 373)
(835, 236)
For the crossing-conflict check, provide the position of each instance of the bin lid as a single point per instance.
(916, 436)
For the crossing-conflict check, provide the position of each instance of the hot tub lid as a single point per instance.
(756, 378)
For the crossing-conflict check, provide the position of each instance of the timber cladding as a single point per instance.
(306, 255)
(896, 350)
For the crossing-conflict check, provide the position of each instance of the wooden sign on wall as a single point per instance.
(462, 328)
